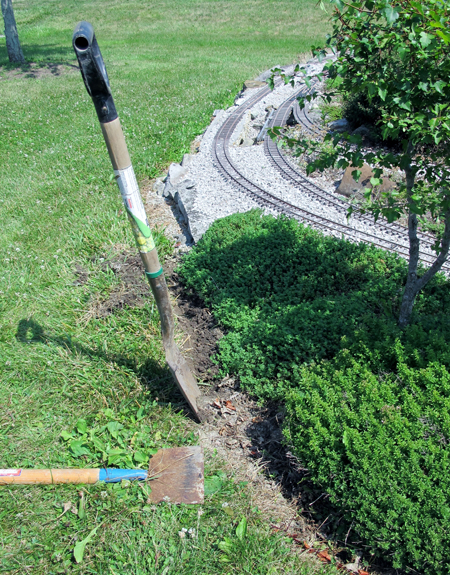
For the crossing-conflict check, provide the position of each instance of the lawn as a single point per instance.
(64, 370)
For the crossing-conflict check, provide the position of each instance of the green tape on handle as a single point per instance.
(154, 274)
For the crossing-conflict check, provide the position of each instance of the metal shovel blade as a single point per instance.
(177, 475)
(183, 376)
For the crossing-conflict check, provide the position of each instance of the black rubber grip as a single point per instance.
(93, 71)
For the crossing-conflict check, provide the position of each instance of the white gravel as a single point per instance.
(216, 198)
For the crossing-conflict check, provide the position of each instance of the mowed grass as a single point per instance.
(63, 371)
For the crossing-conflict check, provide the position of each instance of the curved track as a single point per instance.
(224, 163)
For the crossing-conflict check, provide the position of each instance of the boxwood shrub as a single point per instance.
(310, 320)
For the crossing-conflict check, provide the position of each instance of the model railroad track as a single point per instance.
(303, 118)
(279, 161)
(224, 163)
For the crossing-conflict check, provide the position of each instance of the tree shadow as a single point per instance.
(155, 378)
(41, 54)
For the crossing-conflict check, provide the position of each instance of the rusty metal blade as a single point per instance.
(177, 475)
(183, 376)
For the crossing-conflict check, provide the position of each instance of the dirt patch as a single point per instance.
(35, 70)
(198, 332)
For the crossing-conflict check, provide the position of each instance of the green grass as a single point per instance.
(170, 63)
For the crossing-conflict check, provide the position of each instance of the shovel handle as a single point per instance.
(96, 81)
(52, 476)
(97, 84)
(47, 476)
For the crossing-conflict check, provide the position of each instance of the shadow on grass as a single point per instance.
(154, 378)
(42, 54)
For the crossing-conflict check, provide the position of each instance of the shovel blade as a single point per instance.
(177, 475)
(183, 377)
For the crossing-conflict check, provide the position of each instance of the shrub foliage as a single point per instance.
(311, 321)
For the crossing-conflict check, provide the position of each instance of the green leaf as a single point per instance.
(390, 13)
(81, 425)
(425, 39)
(114, 455)
(241, 529)
(80, 547)
(226, 545)
(78, 449)
(81, 509)
(382, 92)
(444, 36)
(213, 484)
(345, 439)
(140, 457)
(356, 174)
(66, 435)
(439, 85)
(114, 427)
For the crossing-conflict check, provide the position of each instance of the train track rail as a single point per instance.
(223, 161)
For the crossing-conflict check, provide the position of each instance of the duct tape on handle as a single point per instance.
(132, 200)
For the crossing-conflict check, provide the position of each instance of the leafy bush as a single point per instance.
(358, 110)
(378, 444)
(311, 320)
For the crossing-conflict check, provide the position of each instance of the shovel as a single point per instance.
(97, 84)
(176, 475)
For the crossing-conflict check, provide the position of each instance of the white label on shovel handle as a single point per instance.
(10, 472)
(132, 200)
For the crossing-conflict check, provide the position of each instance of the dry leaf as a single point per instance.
(361, 572)
(229, 405)
(217, 404)
(324, 556)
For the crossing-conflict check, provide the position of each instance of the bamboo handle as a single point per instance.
(47, 476)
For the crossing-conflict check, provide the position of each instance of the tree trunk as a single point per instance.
(413, 283)
(12, 37)
(409, 295)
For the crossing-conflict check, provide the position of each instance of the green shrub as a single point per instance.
(378, 444)
(311, 320)
(358, 110)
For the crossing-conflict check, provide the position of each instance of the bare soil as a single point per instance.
(33, 70)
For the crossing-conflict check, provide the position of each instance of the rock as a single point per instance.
(185, 199)
(247, 134)
(187, 159)
(182, 239)
(173, 179)
(176, 173)
(288, 70)
(266, 75)
(250, 84)
(159, 186)
(348, 187)
(363, 131)
(168, 190)
(339, 125)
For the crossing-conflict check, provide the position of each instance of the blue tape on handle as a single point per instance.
(116, 475)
